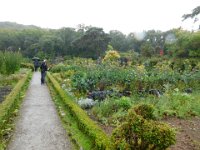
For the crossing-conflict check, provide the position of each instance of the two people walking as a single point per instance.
(43, 68)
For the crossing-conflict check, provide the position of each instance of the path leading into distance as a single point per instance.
(38, 126)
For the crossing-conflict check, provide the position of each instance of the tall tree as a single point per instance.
(179, 45)
(133, 43)
(67, 35)
(92, 44)
(118, 40)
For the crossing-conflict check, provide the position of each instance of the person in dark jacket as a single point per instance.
(43, 68)
(36, 64)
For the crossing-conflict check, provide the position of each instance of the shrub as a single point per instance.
(58, 68)
(124, 103)
(111, 55)
(111, 106)
(138, 133)
(145, 110)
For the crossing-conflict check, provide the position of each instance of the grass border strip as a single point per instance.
(88, 126)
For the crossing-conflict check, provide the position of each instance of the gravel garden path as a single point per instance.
(38, 126)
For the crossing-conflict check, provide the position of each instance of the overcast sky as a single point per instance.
(123, 15)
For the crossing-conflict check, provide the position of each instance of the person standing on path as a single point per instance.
(36, 64)
(43, 68)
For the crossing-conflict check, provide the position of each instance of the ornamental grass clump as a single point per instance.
(1, 62)
(10, 62)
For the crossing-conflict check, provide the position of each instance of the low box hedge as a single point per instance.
(88, 126)
(27, 65)
(8, 109)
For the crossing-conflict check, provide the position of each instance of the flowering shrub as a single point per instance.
(111, 55)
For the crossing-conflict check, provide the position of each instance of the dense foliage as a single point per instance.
(160, 70)
(87, 41)
(171, 85)
(10, 62)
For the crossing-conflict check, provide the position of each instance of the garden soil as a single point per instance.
(188, 132)
(38, 126)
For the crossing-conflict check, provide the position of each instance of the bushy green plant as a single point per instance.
(145, 110)
(111, 55)
(110, 106)
(58, 68)
(138, 133)
(124, 103)
(79, 81)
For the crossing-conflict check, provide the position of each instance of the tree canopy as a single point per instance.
(92, 42)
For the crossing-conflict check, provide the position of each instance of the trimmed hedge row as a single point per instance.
(9, 108)
(89, 127)
(27, 65)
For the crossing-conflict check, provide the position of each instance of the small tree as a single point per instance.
(111, 56)
(147, 50)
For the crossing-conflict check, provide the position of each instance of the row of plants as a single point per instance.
(85, 124)
(173, 80)
(87, 76)
(27, 65)
(9, 62)
(9, 108)
(138, 127)
(112, 110)
(12, 79)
